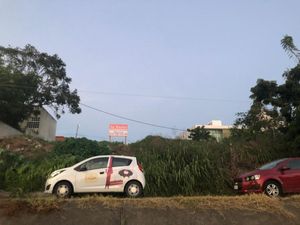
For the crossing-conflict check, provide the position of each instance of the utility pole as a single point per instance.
(77, 128)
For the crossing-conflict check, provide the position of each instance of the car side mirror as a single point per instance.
(284, 168)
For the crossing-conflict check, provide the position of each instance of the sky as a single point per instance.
(173, 63)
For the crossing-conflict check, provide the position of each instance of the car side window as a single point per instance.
(94, 164)
(117, 162)
(294, 164)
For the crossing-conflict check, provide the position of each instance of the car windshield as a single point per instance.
(270, 165)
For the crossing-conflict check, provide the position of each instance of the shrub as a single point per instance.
(181, 167)
(172, 167)
(81, 147)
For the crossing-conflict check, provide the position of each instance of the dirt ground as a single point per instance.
(26, 146)
(208, 210)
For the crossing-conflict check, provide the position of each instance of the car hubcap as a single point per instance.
(272, 190)
(133, 190)
(62, 190)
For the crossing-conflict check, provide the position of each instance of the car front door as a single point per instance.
(291, 176)
(91, 175)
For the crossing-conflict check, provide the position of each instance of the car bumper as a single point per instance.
(244, 187)
(49, 186)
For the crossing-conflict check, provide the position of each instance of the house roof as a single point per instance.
(53, 117)
(215, 125)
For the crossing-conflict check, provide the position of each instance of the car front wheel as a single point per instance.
(63, 190)
(133, 189)
(273, 189)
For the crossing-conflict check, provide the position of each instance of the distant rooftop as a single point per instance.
(214, 124)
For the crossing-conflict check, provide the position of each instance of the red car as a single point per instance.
(274, 179)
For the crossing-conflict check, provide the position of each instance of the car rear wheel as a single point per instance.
(273, 189)
(133, 189)
(63, 189)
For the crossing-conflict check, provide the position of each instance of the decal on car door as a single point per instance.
(108, 177)
(90, 177)
(125, 173)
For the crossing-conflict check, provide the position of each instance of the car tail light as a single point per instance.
(140, 167)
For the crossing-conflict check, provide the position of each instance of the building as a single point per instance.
(42, 126)
(215, 128)
(60, 138)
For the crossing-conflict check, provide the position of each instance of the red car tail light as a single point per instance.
(140, 167)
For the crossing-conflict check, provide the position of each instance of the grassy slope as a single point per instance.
(250, 203)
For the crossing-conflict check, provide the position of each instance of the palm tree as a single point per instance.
(288, 45)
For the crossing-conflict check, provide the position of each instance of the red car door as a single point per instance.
(290, 176)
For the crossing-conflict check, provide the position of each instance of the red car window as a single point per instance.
(294, 164)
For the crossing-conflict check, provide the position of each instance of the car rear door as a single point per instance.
(91, 175)
(118, 172)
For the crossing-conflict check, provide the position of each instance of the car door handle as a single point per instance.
(102, 172)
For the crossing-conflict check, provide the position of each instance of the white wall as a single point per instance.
(47, 129)
(8, 131)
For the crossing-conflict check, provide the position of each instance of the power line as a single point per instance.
(108, 113)
(182, 98)
(129, 119)
(123, 117)
(162, 97)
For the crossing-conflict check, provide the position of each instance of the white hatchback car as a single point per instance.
(110, 173)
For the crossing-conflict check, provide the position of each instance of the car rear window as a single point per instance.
(294, 164)
(117, 162)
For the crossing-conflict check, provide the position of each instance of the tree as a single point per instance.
(276, 107)
(30, 79)
(261, 116)
(288, 45)
(15, 103)
(199, 134)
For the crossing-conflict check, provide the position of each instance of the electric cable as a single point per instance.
(129, 119)
(181, 98)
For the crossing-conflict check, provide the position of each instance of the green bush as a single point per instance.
(21, 175)
(177, 167)
(8, 162)
(172, 167)
(81, 147)
(181, 167)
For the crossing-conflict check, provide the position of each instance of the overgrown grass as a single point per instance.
(181, 167)
(250, 203)
(21, 175)
(172, 167)
(16, 206)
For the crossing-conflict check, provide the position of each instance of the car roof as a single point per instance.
(121, 156)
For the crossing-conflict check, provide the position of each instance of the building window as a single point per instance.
(217, 134)
(34, 123)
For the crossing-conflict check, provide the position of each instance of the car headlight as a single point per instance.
(253, 177)
(55, 173)
(257, 177)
